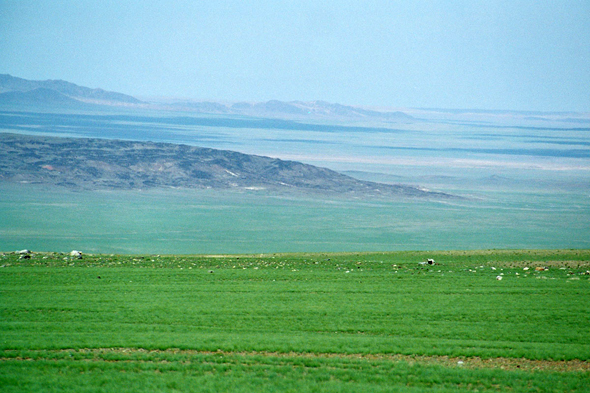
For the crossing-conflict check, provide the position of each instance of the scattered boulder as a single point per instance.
(499, 278)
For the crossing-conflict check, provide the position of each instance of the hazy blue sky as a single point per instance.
(523, 55)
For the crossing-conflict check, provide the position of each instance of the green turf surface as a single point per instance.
(255, 373)
(234, 316)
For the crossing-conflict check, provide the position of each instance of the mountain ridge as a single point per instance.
(19, 91)
(9, 83)
(41, 96)
(291, 110)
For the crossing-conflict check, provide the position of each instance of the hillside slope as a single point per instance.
(105, 164)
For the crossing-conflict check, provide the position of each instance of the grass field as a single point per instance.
(213, 222)
(296, 322)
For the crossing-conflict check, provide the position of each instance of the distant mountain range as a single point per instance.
(81, 163)
(56, 92)
(18, 91)
(291, 110)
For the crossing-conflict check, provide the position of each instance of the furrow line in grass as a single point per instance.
(158, 356)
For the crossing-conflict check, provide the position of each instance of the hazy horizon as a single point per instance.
(499, 55)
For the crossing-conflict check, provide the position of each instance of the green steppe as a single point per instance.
(344, 322)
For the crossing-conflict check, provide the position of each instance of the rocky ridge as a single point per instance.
(81, 163)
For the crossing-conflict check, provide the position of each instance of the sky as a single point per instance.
(505, 55)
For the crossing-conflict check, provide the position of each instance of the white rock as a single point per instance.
(498, 278)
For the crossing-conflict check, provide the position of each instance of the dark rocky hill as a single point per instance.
(81, 163)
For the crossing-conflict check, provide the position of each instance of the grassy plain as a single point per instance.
(296, 322)
(213, 221)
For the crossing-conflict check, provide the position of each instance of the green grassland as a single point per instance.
(214, 222)
(296, 322)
